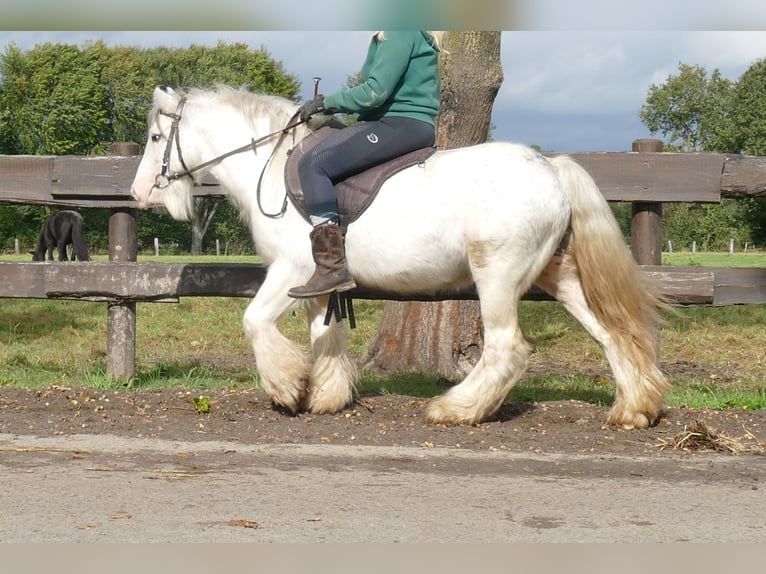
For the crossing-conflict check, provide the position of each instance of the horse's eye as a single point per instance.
(156, 138)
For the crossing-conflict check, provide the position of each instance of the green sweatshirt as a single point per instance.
(400, 77)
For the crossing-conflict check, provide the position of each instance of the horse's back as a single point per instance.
(497, 182)
(497, 197)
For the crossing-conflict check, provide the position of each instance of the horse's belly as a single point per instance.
(405, 260)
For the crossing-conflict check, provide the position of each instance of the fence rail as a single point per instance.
(168, 282)
(104, 181)
(646, 177)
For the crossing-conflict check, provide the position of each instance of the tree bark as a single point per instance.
(471, 75)
(204, 211)
(445, 337)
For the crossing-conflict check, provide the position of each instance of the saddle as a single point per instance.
(355, 193)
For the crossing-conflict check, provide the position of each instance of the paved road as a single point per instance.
(104, 488)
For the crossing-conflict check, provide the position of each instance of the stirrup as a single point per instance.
(341, 306)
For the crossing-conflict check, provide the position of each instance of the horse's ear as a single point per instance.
(165, 95)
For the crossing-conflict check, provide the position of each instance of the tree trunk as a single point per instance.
(471, 75)
(445, 337)
(204, 211)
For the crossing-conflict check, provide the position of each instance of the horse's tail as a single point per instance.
(620, 294)
(78, 241)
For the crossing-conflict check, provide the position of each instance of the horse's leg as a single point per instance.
(61, 246)
(69, 241)
(334, 375)
(502, 363)
(282, 365)
(64, 238)
(641, 387)
(503, 360)
(50, 245)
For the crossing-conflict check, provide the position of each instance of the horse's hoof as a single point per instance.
(440, 412)
(289, 403)
(630, 421)
(323, 403)
(283, 409)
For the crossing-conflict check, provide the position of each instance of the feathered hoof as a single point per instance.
(630, 420)
(442, 411)
(326, 405)
(330, 398)
(292, 403)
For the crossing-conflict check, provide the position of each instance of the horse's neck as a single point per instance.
(253, 176)
(254, 179)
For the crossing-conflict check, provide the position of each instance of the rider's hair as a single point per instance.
(437, 36)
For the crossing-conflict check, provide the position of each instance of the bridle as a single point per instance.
(163, 179)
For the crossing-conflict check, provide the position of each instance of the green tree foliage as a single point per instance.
(52, 100)
(234, 237)
(749, 105)
(691, 109)
(750, 136)
(697, 111)
(58, 99)
(22, 222)
(709, 225)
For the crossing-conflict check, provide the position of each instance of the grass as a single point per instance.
(753, 258)
(198, 343)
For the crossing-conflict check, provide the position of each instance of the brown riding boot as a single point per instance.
(331, 273)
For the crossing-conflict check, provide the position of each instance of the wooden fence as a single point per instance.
(646, 177)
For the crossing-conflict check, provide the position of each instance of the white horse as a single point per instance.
(498, 215)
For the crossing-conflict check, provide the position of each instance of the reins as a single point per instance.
(162, 180)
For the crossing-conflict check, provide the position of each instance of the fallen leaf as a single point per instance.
(244, 523)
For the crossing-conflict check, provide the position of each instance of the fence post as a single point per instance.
(121, 321)
(646, 229)
(646, 222)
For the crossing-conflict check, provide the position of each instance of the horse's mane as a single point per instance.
(262, 115)
(253, 105)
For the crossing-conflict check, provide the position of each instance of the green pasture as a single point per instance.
(198, 344)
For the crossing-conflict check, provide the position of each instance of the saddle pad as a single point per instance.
(354, 193)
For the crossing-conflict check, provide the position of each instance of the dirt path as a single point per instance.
(246, 416)
(146, 466)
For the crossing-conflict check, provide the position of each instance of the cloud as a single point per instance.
(647, 15)
(731, 52)
(575, 72)
(611, 72)
(563, 90)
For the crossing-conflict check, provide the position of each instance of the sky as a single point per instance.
(565, 89)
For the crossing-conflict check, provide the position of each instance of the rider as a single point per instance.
(396, 103)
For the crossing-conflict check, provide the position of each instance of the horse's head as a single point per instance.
(159, 178)
(193, 133)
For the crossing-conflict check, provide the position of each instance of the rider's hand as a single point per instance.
(311, 107)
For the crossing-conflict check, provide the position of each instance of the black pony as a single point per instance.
(59, 230)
